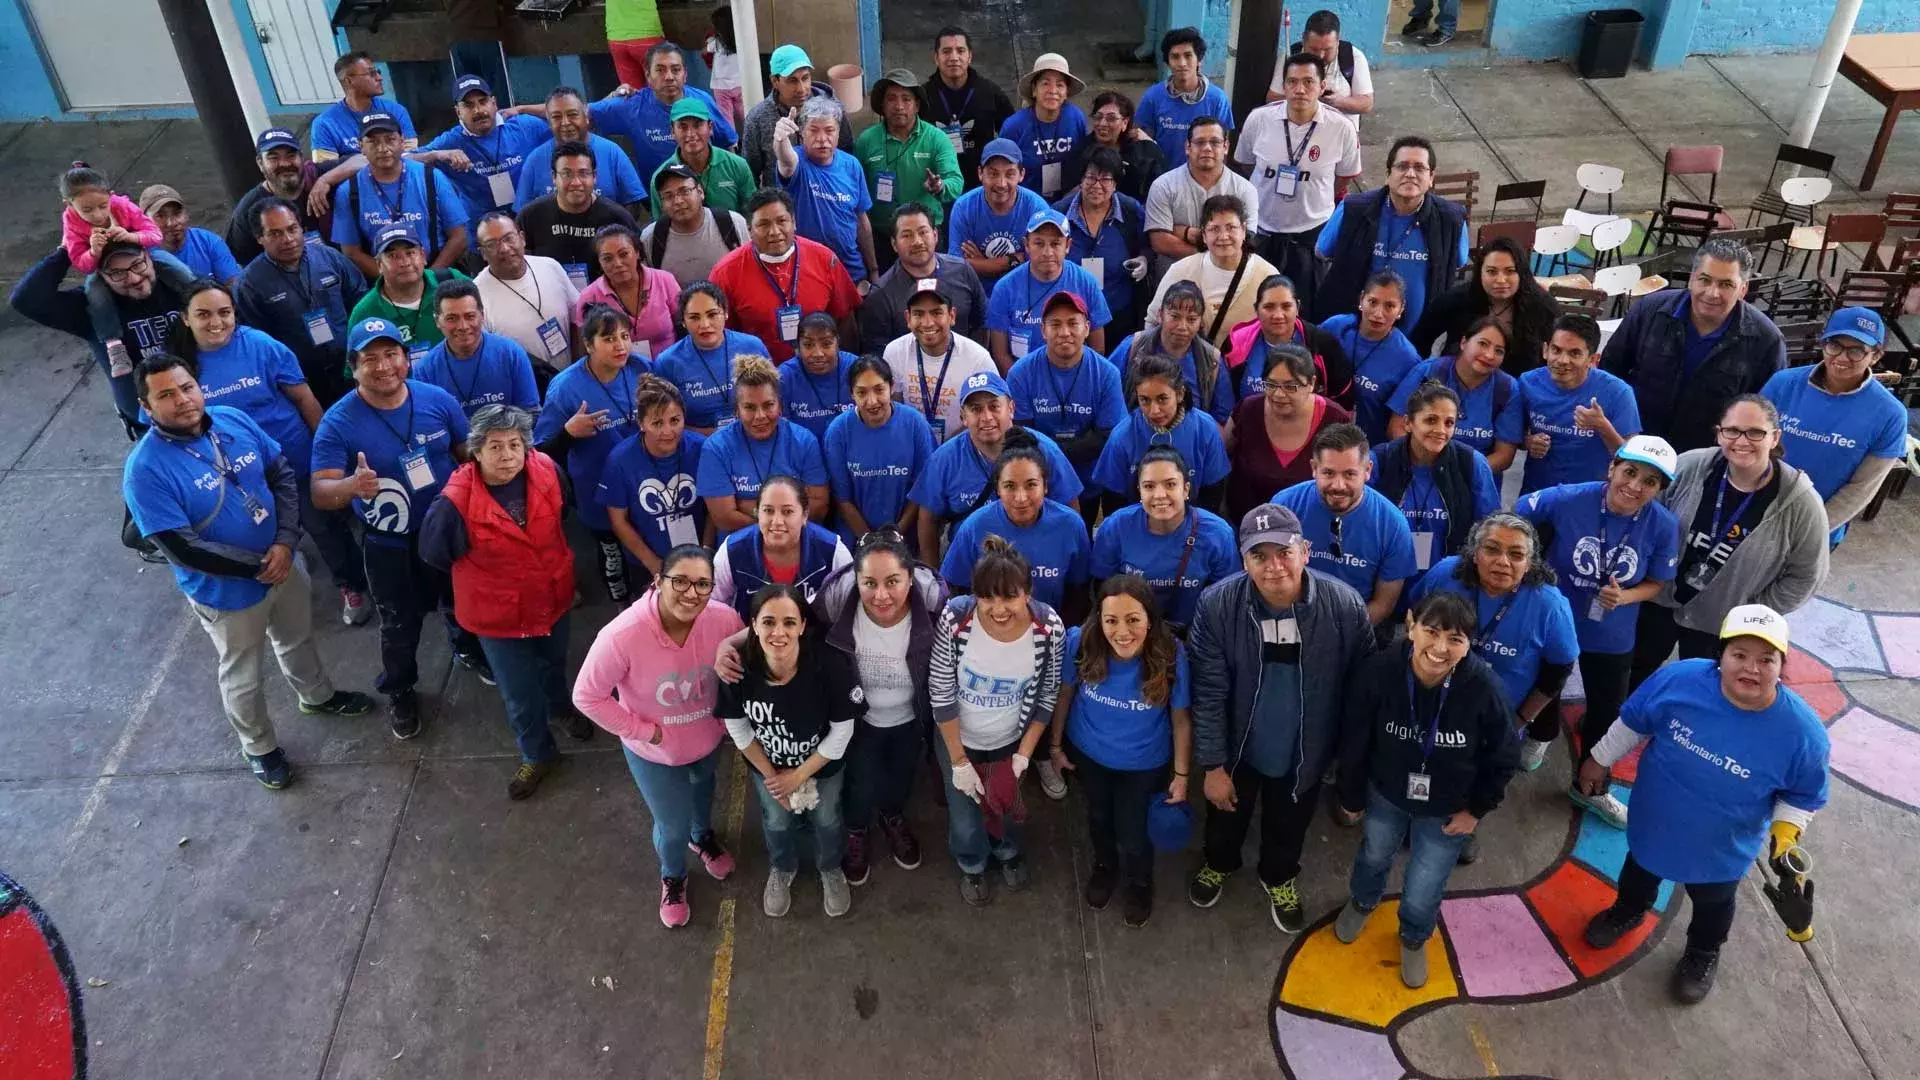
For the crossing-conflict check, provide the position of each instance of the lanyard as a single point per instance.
(893, 159)
(1413, 495)
(773, 453)
(929, 399)
(1481, 639)
(653, 466)
(380, 191)
(305, 290)
(1064, 396)
(538, 300)
(220, 465)
(833, 382)
(621, 381)
(473, 145)
(1722, 528)
(774, 282)
(1360, 358)
(725, 385)
(954, 114)
(453, 372)
(406, 441)
(1286, 137)
(1432, 734)
(1394, 248)
(1054, 286)
(1609, 547)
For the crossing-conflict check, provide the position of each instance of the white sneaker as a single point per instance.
(355, 608)
(1533, 754)
(777, 897)
(836, 896)
(1051, 781)
(1608, 808)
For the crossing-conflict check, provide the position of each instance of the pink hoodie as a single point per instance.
(665, 689)
(76, 233)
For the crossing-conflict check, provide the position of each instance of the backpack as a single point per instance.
(722, 220)
(1345, 58)
(433, 210)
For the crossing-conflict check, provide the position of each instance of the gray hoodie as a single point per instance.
(1780, 564)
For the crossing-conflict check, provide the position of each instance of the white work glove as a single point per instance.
(967, 782)
(805, 797)
(1137, 266)
(1020, 763)
(786, 127)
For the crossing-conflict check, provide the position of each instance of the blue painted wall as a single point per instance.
(1760, 26)
(1213, 17)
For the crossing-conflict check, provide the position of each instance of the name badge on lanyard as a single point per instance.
(1422, 549)
(1016, 343)
(883, 187)
(957, 135)
(554, 338)
(1286, 181)
(576, 273)
(1097, 266)
(1050, 179)
(500, 186)
(418, 469)
(789, 322)
(680, 530)
(417, 350)
(319, 330)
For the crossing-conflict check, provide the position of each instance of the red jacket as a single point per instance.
(514, 581)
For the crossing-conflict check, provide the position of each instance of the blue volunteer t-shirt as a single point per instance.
(169, 484)
(1043, 145)
(1111, 723)
(429, 422)
(658, 493)
(1426, 510)
(1489, 413)
(1018, 301)
(403, 202)
(1219, 405)
(1399, 246)
(827, 203)
(1055, 545)
(1066, 402)
(1573, 456)
(1195, 435)
(1514, 634)
(613, 170)
(647, 123)
(1712, 771)
(250, 373)
(1124, 544)
(813, 401)
(1379, 367)
(1375, 543)
(336, 130)
(1591, 544)
(569, 390)
(498, 373)
(1165, 117)
(502, 151)
(874, 467)
(1828, 436)
(732, 463)
(957, 472)
(206, 254)
(996, 235)
(704, 377)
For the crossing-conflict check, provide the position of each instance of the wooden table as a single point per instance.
(1887, 67)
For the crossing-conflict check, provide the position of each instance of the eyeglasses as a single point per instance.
(685, 585)
(1288, 388)
(1207, 144)
(1855, 353)
(1751, 434)
(1333, 537)
(1096, 180)
(1410, 168)
(1109, 116)
(511, 240)
(1223, 228)
(140, 264)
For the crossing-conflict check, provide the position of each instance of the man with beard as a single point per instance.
(494, 147)
(1358, 535)
(287, 175)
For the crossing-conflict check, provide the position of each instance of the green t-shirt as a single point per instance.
(907, 162)
(633, 20)
(728, 182)
(418, 331)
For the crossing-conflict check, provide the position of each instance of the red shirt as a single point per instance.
(754, 299)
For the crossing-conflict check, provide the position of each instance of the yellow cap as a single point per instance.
(1756, 620)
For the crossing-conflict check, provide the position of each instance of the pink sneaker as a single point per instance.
(714, 857)
(673, 902)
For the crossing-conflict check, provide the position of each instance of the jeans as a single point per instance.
(1117, 803)
(829, 828)
(1655, 635)
(967, 835)
(1449, 13)
(283, 618)
(880, 765)
(1604, 675)
(405, 589)
(332, 533)
(532, 677)
(680, 798)
(1283, 824)
(1712, 904)
(1429, 863)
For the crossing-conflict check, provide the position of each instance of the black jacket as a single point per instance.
(1474, 755)
(1649, 352)
(1452, 475)
(1447, 316)
(1351, 263)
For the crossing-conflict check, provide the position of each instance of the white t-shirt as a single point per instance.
(690, 257)
(1328, 146)
(880, 654)
(968, 357)
(993, 679)
(519, 309)
(1176, 198)
(725, 71)
(1337, 84)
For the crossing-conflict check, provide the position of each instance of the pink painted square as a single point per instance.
(1501, 949)
(1900, 640)
(1877, 754)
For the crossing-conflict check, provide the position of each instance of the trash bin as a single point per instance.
(1608, 41)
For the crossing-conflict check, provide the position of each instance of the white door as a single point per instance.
(297, 38)
(109, 54)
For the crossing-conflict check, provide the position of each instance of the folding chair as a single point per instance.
(1770, 203)
(1809, 240)
(1461, 187)
(1803, 341)
(1881, 290)
(1608, 238)
(1614, 282)
(1679, 220)
(1520, 232)
(1690, 161)
(1554, 242)
(1574, 300)
(1533, 191)
(1598, 180)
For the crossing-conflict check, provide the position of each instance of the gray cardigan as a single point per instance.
(1781, 564)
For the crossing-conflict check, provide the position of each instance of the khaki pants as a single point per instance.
(284, 618)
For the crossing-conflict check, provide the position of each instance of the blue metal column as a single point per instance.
(1674, 35)
(870, 40)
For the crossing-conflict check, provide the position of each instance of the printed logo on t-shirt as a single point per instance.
(391, 508)
(663, 499)
(690, 691)
(1682, 736)
(984, 690)
(1590, 564)
(787, 750)
(1791, 426)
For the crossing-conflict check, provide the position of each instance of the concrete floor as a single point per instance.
(394, 916)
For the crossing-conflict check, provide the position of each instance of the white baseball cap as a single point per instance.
(1756, 620)
(1651, 450)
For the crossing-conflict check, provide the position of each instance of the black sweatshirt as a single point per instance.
(1474, 754)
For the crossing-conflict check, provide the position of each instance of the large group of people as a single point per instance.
(1142, 435)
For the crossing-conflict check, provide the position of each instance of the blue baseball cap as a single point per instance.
(391, 235)
(367, 331)
(1169, 825)
(1043, 218)
(273, 139)
(984, 382)
(1005, 149)
(379, 121)
(788, 59)
(1862, 324)
(470, 84)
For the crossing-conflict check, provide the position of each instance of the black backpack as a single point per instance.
(1345, 58)
(433, 210)
(722, 220)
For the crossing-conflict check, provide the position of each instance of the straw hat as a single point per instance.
(1049, 62)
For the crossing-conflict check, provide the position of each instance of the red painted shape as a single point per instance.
(36, 1023)
(1627, 769)
(1814, 681)
(1567, 901)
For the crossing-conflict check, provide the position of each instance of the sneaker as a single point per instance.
(271, 769)
(1605, 930)
(355, 608)
(854, 862)
(1693, 976)
(835, 895)
(1469, 851)
(1284, 898)
(342, 703)
(1100, 885)
(404, 708)
(673, 902)
(1014, 873)
(973, 889)
(1434, 41)
(712, 856)
(1351, 921)
(575, 725)
(526, 778)
(1605, 805)
(476, 663)
(1051, 782)
(901, 842)
(1414, 28)
(1533, 753)
(1203, 889)
(1413, 965)
(1136, 904)
(777, 897)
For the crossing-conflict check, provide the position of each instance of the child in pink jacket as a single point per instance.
(649, 680)
(95, 216)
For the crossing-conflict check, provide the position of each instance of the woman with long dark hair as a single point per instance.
(1111, 126)
(874, 451)
(1501, 287)
(1163, 415)
(1492, 416)
(588, 412)
(1441, 484)
(1051, 538)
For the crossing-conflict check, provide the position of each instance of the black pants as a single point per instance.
(613, 564)
(1117, 802)
(1712, 904)
(1604, 675)
(405, 589)
(1292, 254)
(1283, 824)
(327, 376)
(1655, 636)
(881, 762)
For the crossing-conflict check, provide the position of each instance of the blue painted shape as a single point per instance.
(1669, 34)
(1604, 848)
(870, 40)
(1840, 636)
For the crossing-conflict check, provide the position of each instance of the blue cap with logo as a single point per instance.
(273, 139)
(1004, 149)
(984, 382)
(1861, 324)
(1049, 217)
(391, 235)
(379, 121)
(788, 59)
(367, 331)
(470, 84)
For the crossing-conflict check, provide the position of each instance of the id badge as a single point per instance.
(1595, 613)
(259, 514)
(313, 237)
(500, 186)
(1700, 575)
(319, 330)
(1419, 787)
(789, 322)
(643, 348)
(419, 470)
(1016, 343)
(1050, 179)
(1097, 266)
(1422, 550)
(883, 187)
(554, 338)
(1286, 181)
(417, 350)
(576, 273)
(680, 530)
(957, 135)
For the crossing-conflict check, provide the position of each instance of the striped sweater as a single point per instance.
(950, 639)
